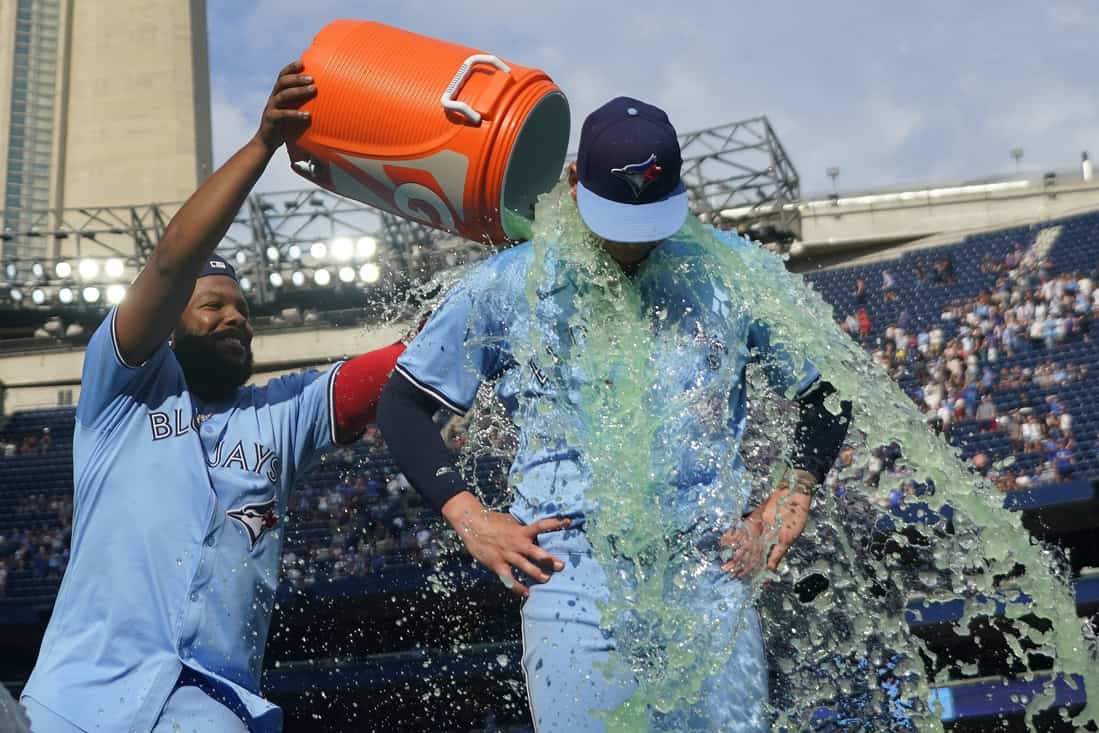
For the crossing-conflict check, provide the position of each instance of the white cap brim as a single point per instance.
(633, 223)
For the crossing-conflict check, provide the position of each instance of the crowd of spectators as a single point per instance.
(362, 522)
(34, 443)
(364, 519)
(367, 517)
(370, 517)
(942, 273)
(38, 543)
(951, 368)
(34, 539)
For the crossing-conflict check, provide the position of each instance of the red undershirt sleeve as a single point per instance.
(357, 387)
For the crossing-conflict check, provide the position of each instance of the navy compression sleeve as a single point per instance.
(405, 415)
(819, 435)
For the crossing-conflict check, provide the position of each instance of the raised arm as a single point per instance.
(153, 305)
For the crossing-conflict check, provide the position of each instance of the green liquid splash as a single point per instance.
(618, 409)
(516, 226)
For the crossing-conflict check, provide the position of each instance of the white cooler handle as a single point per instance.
(448, 101)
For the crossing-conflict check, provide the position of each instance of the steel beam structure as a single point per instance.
(737, 175)
(741, 167)
(119, 231)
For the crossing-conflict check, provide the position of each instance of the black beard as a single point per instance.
(212, 372)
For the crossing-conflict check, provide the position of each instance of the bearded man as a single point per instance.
(182, 475)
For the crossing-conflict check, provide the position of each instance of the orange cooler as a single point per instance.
(435, 132)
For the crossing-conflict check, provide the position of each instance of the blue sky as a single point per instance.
(891, 93)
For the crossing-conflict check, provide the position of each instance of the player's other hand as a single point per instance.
(499, 542)
(282, 119)
(765, 535)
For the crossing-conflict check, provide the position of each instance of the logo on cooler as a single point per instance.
(430, 190)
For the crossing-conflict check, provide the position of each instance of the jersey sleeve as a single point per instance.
(106, 376)
(778, 365)
(460, 346)
(310, 427)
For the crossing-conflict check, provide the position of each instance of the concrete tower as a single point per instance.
(101, 104)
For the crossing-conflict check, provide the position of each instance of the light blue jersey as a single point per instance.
(704, 338)
(177, 534)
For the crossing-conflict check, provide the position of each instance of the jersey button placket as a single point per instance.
(193, 614)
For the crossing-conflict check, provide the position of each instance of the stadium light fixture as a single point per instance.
(322, 277)
(38, 270)
(91, 294)
(245, 284)
(114, 268)
(273, 253)
(342, 249)
(347, 274)
(318, 250)
(298, 278)
(115, 294)
(241, 257)
(38, 296)
(294, 252)
(275, 279)
(88, 269)
(11, 270)
(63, 269)
(369, 273)
(16, 295)
(65, 295)
(365, 247)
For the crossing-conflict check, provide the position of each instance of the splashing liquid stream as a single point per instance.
(619, 402)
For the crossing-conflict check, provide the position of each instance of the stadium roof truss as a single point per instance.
(737, 175)
(276, 231)
(272, 233)
(741, 166)
(122, 231)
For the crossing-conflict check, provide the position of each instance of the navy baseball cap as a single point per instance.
(628, 167)
(217, 265)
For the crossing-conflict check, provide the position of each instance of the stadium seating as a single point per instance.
(353, 533)
(47, 474)
(1071, 249)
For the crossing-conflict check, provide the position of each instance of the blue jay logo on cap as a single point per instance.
(639, 176)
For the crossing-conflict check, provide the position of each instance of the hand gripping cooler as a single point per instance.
(429, 130)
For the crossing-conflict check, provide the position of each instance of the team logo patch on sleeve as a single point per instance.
(257, 519)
